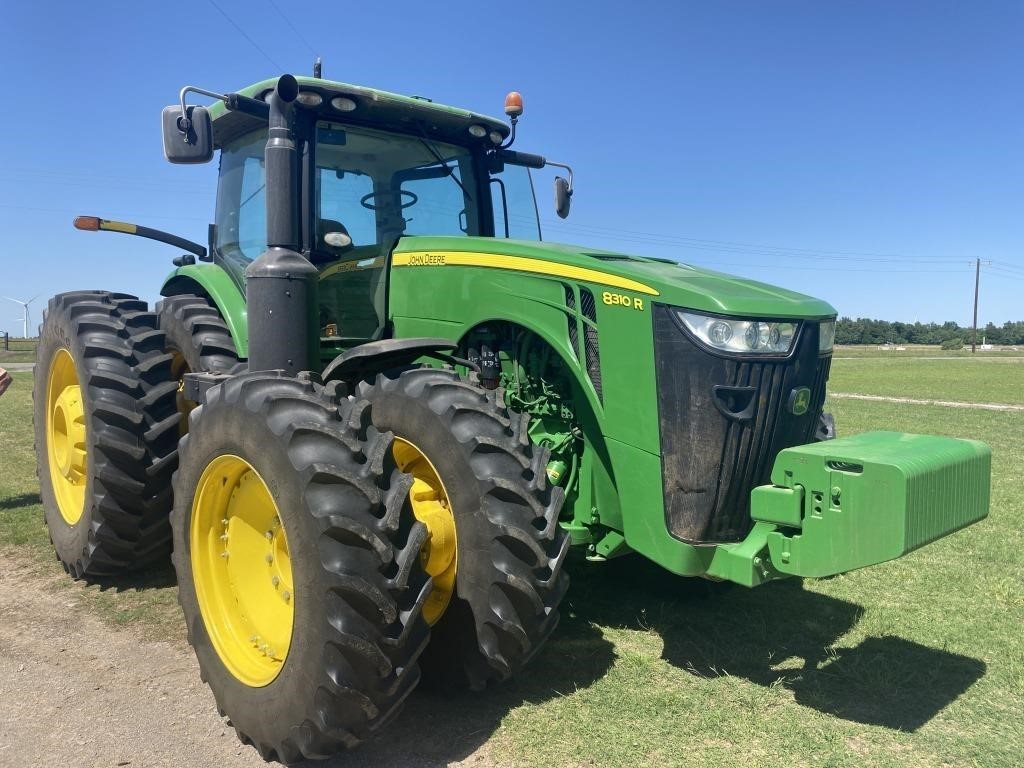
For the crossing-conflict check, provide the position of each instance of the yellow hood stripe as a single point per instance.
(517, 264)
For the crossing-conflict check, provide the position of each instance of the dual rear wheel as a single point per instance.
(108, 412)
(106, 432)
(428, 540)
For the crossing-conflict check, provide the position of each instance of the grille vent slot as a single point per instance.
(590, 341)
(574, 333)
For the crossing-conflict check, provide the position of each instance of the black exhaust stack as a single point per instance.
(281, 285)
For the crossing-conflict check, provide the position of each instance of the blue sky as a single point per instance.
(863, 152)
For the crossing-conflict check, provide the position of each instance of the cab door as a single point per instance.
(351, 259)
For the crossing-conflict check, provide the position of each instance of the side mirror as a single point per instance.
(563, 197)
(187, 139)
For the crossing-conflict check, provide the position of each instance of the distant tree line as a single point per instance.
(866, 331)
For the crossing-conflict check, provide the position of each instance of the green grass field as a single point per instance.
(907, 351)
(979, 379)
(17, 356)
(918, 662)
(18, 351)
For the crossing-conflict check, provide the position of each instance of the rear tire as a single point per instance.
(510, 547)
(356, 627)
(198, 339)
(105, 432)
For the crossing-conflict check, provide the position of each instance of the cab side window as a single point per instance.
(241, 199)
(514, 204)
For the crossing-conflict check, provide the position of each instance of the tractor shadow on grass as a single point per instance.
(157, 576)
(20, 500)
(435, 729)
(780, 634)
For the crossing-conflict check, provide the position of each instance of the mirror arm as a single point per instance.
(184, 124)
(566, 167)
(525, 159)
(531, 161)
(236, 102)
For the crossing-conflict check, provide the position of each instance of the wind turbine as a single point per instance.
(24, 305)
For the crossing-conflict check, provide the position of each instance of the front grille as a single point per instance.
(711, 461)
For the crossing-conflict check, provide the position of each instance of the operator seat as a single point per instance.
(351, 298)
(326, 227)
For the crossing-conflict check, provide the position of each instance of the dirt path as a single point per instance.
(915, 401)
(75, 691)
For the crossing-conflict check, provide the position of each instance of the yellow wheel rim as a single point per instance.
(66, 437)
(242, 570)
(185, 406)
(431, 507)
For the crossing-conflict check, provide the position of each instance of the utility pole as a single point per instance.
(977, 281)
(974, 327)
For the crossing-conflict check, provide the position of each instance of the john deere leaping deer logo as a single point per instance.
(799, 401)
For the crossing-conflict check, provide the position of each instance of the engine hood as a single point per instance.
(661, 280)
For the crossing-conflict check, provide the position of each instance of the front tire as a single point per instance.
(298, 565)
(508, 580)
(105, 432)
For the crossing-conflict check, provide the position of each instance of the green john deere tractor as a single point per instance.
(373, 413)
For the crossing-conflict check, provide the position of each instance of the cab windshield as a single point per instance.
(374, 187)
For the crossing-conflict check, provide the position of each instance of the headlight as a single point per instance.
(826, 336)
(764, 337)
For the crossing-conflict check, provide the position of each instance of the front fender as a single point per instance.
(215, 282)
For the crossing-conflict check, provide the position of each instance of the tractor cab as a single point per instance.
(372, 167)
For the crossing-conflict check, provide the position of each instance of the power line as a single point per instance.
(154, 188)
(769, 251)
(298, 34)
(241, 31)
(1008, 267)
(1007, 275)
(122, 216)
(741, 246)
(830, 268)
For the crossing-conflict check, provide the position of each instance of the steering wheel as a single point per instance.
(413, 198)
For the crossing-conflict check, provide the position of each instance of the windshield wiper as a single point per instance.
(250, 197)
(437, 156)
